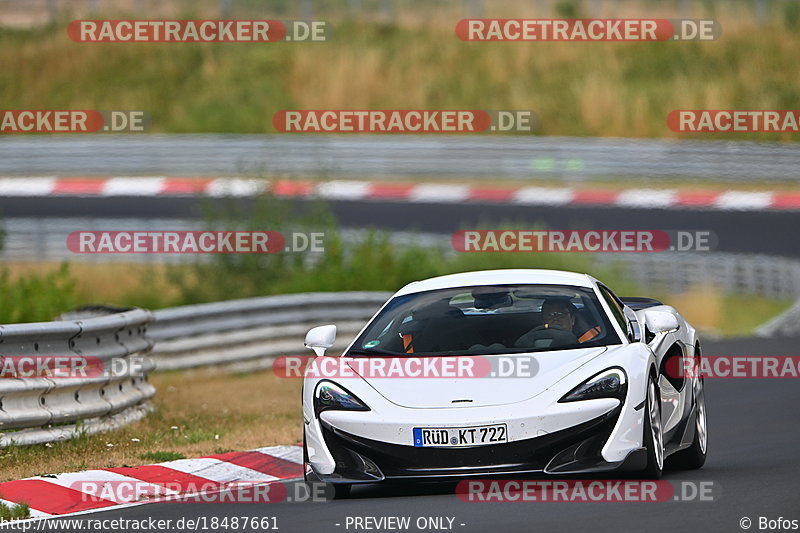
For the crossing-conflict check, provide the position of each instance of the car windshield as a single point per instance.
(487, 319)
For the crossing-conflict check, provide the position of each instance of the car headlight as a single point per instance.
(329, 396)
(611, 383)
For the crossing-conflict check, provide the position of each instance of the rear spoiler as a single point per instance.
(637, 304)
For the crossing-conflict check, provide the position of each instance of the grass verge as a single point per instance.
(17, 511)
(594, 89)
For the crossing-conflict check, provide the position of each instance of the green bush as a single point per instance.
(34, 297)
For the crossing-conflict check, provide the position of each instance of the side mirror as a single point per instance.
(320, 339)
(660, 321)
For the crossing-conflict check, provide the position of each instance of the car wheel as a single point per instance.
(694, 456)
(653, 432)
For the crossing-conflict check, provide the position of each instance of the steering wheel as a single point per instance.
(557, 336)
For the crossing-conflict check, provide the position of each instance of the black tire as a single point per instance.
(305, 456)
(653, 432)
(694, 456)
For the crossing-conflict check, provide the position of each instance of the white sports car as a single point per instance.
(603, 389)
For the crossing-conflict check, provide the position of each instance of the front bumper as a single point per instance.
(572, 450)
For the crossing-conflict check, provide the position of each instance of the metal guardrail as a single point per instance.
(387, 156)
(763, 275)
(254, 330)
(44, 239)
(239, 332)
(43, 409)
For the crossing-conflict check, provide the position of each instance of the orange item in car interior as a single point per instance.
(408, 343)
(589, 335)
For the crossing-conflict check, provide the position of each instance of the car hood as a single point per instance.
(436, 392)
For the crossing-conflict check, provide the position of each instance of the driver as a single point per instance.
(559, 314)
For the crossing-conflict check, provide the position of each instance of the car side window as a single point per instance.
(616, 308)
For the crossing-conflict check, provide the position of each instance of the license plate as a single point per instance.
(456, 437)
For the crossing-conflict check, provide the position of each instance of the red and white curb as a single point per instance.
(437, 193)
(59, 495)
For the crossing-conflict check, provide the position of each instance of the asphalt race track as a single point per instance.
(754, 429)
(737, 231)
